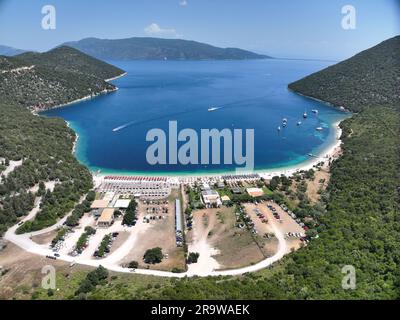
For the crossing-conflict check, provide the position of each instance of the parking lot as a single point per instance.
(265, 213)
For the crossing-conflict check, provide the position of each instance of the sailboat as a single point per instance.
(298, 123)
(305, 115)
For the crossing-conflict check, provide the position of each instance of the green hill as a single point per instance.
(40, 81)
(371, 77)
(71, 60)
(44, 80)
(158, 49)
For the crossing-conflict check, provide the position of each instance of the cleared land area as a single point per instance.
(159, 233)
(24, 272)
(230, 246)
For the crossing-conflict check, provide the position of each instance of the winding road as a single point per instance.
(111, 262)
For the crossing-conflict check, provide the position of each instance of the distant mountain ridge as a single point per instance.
(370, 78)
(41, 81)
(137, 48)
(9, 51)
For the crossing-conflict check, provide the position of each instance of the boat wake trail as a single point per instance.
(233, 104)
(122, 127)
(136, 123)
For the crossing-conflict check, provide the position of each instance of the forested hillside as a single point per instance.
(44, 80)
(44, 146)
(372, 77)
(69, 59)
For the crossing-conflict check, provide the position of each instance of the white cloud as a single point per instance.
(154, 28)
(183, 2)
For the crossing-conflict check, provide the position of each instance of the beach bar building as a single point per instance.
(106, 219)
(225, 199)
(255, 192)
(210, 197)
(98, 206)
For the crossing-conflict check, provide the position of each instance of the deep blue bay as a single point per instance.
(249, 94)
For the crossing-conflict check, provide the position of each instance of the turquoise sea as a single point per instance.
(247, 94)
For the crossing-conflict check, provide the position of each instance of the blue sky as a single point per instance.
(281, 28)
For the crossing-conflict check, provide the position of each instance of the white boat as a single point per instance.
(305, 115)
(279, 128)
(212, 109)
(315, 111)
(319, 129)
(299, 123)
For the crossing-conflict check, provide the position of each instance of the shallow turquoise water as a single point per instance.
(248, 95)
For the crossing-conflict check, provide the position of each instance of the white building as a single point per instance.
(122, 203)
(210, 197)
